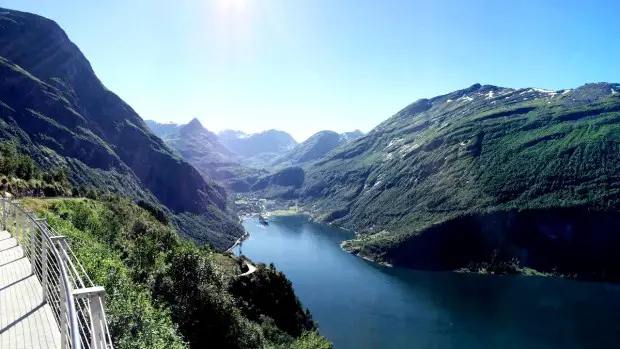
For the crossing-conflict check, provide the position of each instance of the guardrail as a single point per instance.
(77, 304)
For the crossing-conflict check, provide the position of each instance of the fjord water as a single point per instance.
(360, 305)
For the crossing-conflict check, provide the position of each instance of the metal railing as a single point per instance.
(77, 304)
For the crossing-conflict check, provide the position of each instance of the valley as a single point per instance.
(518, 176)
(416, 234)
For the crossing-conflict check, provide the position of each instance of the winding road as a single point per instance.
(251, 269)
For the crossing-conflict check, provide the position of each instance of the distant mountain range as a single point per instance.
(54, 105)
(315, 147)
(481, 174)
(234, 154)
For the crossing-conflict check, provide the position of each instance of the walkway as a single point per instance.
(25, 321)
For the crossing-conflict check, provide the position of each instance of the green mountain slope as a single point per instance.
(422, 186)
(258, 148)
(164, 292)
(54, 105)
(315, 147)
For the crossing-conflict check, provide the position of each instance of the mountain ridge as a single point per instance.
(471, 151)
(315, 147)
(54, 104)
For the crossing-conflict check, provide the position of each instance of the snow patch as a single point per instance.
(490, 95)
(542, 90)
(566, 91)
(614, 92)
(507, 92)
(466, 98)
(448, 101)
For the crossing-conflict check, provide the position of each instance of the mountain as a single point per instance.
(231, 134)
(162, 129)
(203, 149)
(52, 102)
(258, 148)
(194, 141)
(351, 136)
(316, 146)
(528, 173)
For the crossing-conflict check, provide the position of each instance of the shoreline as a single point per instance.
(523, 271)
(383, 264)
(243, 237)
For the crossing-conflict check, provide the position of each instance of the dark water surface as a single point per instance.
(359, 305)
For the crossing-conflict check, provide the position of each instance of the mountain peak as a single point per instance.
(195, 123)
(192, 126)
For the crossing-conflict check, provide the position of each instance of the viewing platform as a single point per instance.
(47, 299)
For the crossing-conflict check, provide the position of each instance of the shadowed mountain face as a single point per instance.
(481, 149)
(52, 102)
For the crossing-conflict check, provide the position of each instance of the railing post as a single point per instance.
(27, 243)
(33, 241)
(62, 296)
(64, 323)
(15, 232)
(97, 338)
(3, 212)
(44, 272)
(18, 233)
(96, 300)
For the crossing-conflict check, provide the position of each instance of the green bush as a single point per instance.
(164, 291)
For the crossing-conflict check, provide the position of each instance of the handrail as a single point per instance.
(78, 308)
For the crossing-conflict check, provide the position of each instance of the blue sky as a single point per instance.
(307, 65)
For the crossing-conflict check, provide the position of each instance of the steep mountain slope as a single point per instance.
(259, 148)
(447, 180)
(194, 141)
(52, 102)
(316, 146)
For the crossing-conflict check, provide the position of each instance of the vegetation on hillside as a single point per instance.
(315, 147)
(25, 178)
(471, 152)
(55, 107)
(165, 292)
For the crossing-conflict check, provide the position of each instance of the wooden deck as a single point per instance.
(25, 321)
